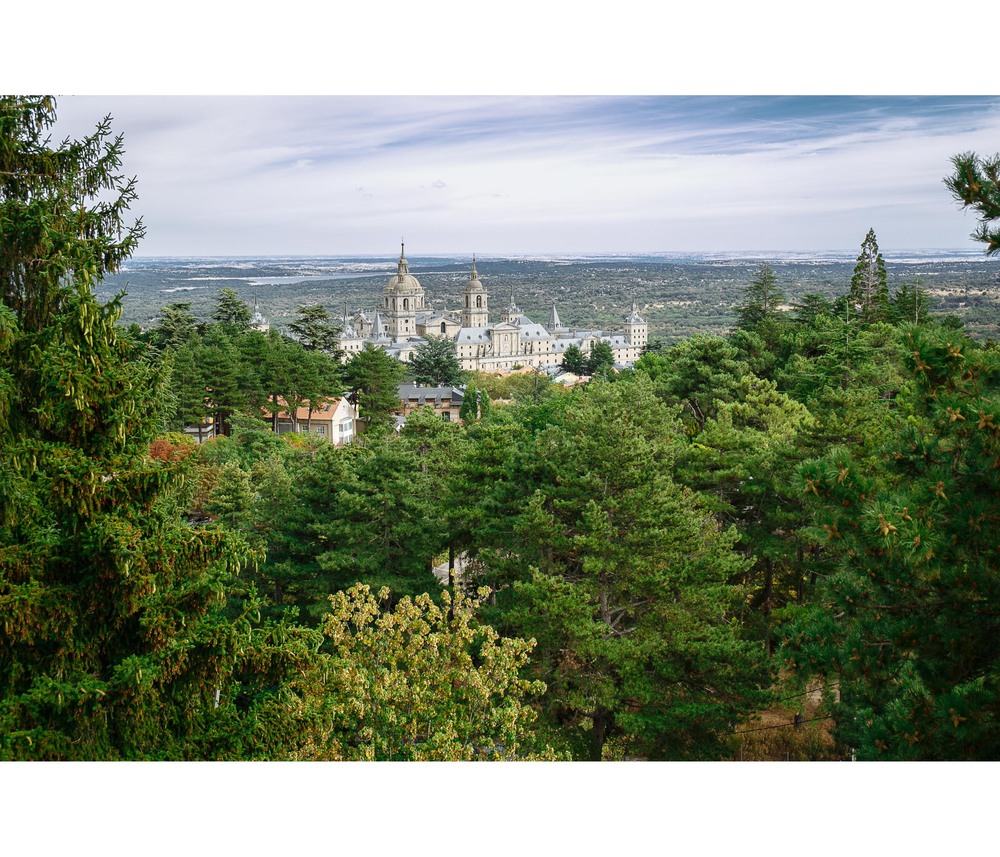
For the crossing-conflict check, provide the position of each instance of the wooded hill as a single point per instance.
(643, 564)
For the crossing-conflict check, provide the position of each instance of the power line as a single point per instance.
(783, 725)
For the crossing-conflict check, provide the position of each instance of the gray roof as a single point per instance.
(473, 334)
(430, 395)
(534, 331)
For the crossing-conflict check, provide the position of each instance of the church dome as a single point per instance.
(403, 280)
(474, 284)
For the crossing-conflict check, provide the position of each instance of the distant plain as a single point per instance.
(678, 294)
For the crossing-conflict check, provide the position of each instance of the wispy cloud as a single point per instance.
(347, 174)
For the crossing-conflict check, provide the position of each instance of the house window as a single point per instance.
(446, 416)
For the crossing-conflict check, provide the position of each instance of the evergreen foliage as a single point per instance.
(373, 378)
(601, 360)
(622, 578)
(574, 361)
(868, 299)
(908, 622)
(113, 644)
(830, 474)
(435, 363)
(761, 301)
(316, 331)
(231, 312)
(976, 184)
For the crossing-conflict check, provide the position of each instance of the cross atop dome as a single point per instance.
(404, 266)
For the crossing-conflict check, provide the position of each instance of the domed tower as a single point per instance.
(403, 298)
(636, 329)
(475, 301)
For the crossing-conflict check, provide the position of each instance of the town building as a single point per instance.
(402, 320)
(446, 401)
(334, 420)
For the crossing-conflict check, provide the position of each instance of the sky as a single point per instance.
(331, 175)
(524, 130)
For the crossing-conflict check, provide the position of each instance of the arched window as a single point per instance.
(406, 303)
(479, 301)
(444, 327)
(467, 301)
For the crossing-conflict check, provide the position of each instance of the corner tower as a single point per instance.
(636, 329)
(475, 301)
(403, 298)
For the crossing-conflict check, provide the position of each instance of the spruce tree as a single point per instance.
(869, 294)
(761, 299)
(112, 643)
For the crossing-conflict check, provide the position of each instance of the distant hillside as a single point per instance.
(678, 294)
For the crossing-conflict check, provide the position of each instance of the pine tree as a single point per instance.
(907, 623)
(316, 331)
(621, 577)
(976, 184)
(231, 312)
(176, 326)
(574, 361)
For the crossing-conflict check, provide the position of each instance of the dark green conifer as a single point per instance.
(868, 299)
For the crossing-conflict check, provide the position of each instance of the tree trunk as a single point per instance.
(768, 594)
(602, 718)
(800, 588)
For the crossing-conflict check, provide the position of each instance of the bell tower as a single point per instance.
(475, 301)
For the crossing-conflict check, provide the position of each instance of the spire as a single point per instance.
(634, 317)
(403, 267)
(554, 323)
(474, 274)
(377, 331)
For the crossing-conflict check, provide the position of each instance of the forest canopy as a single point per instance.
(777, 543)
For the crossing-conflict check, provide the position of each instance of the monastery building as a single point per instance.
(401, 322)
